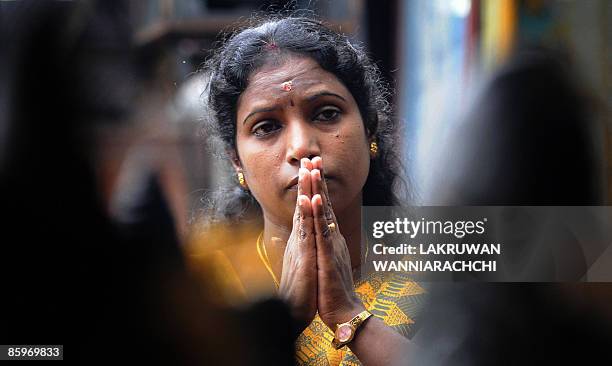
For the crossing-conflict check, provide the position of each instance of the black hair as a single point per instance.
(248, 49)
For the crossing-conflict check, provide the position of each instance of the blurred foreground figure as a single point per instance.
(531, 141)
(70, 275)
(533, 138)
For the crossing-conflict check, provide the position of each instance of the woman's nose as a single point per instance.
(302, 142)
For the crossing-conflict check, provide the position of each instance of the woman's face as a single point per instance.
(292, 110)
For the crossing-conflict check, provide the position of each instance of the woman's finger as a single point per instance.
(323, 232)
(306, 163)
(319, 187)
(305, 228)
(317, 163)
(304, 192)
(304, 183)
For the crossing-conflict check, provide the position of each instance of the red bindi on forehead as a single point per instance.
(287, 83)
(287, 86)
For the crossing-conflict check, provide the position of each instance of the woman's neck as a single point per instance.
(349, 221)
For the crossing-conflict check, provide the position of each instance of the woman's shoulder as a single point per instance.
(225, 257)
(221, 236)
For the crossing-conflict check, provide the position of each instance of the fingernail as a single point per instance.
(317, 160)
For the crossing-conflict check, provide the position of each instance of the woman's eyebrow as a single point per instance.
(309, 98)
(323, 94)
(260, 110)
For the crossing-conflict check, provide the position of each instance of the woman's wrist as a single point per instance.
(344, 314)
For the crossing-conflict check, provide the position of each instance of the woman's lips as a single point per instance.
(293, 183)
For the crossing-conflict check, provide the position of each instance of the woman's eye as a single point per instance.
(328, 114)
(264, 128)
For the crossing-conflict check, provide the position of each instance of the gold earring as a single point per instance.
(373, 147)
(241, 180)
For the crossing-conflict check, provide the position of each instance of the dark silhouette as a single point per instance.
(530, 141)
(106, 290)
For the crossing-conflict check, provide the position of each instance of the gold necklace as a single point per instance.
(263, 255)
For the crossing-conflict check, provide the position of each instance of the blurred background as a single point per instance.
(103, 163)
(441, 57)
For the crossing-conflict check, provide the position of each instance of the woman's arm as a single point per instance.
(374, 343)
(378, 344)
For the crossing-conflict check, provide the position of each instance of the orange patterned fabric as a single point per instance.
(394, 298)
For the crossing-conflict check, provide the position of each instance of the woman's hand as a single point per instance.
(298, 284)
(336, 298)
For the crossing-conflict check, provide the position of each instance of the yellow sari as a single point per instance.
(238, 276)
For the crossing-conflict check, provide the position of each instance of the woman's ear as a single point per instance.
(233, 157)
(238, 169)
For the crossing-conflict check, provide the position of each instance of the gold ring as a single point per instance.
(332, 226)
